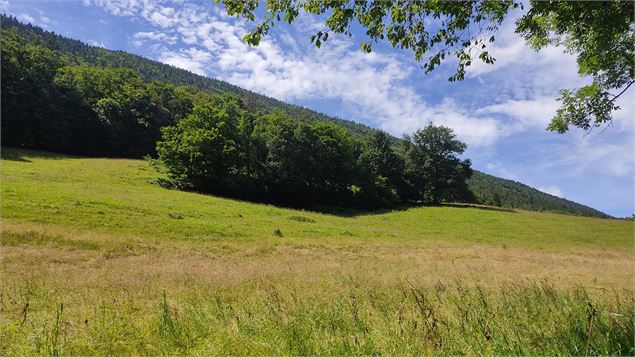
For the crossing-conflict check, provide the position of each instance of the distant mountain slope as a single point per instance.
(495, 191)
(489, 190)
(152, 70)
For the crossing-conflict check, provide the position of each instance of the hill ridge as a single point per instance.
(488, 189)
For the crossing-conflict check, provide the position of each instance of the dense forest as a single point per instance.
(499, 192)
(63, 95)
(151, 70)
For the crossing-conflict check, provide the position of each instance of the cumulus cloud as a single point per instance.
(117, 7)
(552, 190)
(96, 43)
(24, 17)
(615, 159)
(536, 112)
(191, 59)
(370, 87)
(140, 37)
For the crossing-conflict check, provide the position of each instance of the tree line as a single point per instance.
(214, 142)
(223, 148)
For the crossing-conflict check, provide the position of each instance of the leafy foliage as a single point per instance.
(203, 150)
(304, 162)
(81, 53)
(223, 149)
(50, 103)
(601, 35)
(433, 166)
(27, 87)
(432, 30)
(382, 171)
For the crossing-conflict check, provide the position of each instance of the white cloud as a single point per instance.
(4, 5)
(500, 111)
(161, 16)
(140, 37)
(117, 7)
(96, 43)
(26, 18)
(501, 171)
(369, 86)
(552, 190)
(536, 112)
(190, 59)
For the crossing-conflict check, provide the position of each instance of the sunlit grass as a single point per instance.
(96, 259)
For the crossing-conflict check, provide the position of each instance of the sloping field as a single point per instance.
(96, 259)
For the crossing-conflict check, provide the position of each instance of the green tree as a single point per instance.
(381, 171)
(120, 107)
(601, 35)
(28, 94)
(202, 151)
(173, 102)
(304, 163)
(433, 167)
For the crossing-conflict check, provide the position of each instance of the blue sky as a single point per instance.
(500, 111)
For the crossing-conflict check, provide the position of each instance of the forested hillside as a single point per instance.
(496, 191)
(157, 104)
(156, 71)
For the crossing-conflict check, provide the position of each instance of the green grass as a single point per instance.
(98, 260)
(117, 196)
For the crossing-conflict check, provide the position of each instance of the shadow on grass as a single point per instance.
(335, 210)
(354, 212)
(13, 155)
(24, 155)
(344, 212)
(477, 206)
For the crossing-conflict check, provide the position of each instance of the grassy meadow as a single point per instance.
(97, 259)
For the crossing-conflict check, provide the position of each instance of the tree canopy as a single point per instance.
(223, 149)
(431, 30)
(433, 165)
(600, 34)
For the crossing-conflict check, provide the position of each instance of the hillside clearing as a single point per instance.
(99, 260)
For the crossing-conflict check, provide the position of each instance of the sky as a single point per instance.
(499, 110)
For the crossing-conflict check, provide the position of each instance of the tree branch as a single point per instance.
(622, 92)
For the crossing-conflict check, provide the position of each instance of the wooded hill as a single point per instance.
(487, 189)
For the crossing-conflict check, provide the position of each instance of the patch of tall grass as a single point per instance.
(346, 318)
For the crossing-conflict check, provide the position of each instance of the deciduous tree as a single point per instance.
(433, 166)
